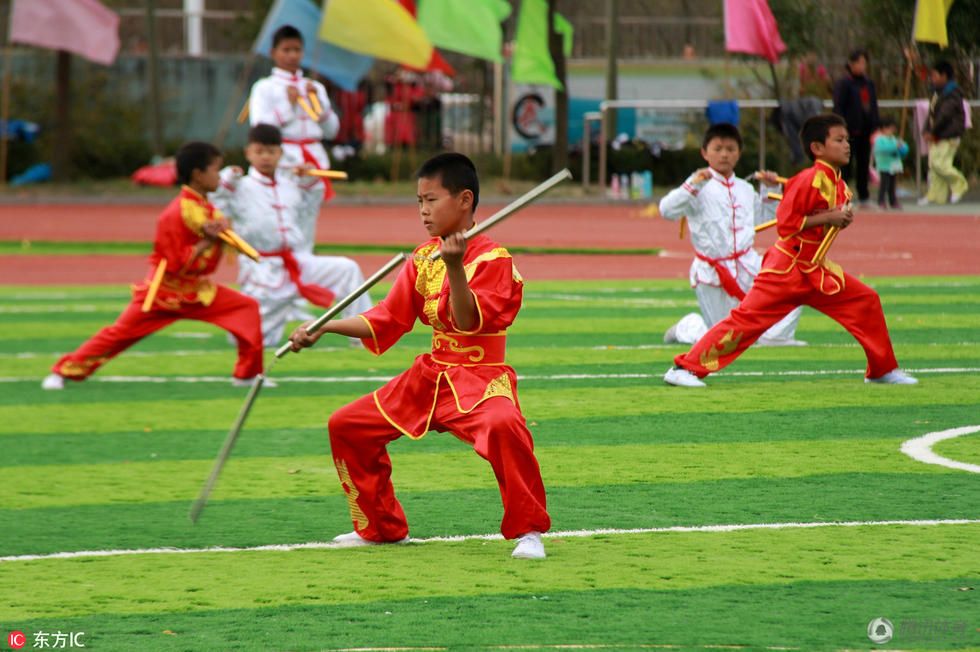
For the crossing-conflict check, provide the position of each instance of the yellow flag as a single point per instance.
(380, 28)
(930, 21)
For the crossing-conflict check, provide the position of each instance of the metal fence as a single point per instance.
(761, 106)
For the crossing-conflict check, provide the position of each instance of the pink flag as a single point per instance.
(750, 27)
(83, 27)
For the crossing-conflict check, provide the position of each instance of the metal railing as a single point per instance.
(606, 106)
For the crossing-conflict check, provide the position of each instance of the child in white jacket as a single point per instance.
(722, 212)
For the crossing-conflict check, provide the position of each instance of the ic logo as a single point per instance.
(17, 640)
(880, 631)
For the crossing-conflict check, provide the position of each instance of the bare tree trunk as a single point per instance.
(61, 157)
(559, 159)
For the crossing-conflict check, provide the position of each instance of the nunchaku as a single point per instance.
(334, 310)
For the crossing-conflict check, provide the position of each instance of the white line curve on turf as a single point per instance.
(328, 545)
(920, 448)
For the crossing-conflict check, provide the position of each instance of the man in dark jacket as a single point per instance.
(945, 125)
(856, 102)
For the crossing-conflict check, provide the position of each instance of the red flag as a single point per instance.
(83, 27)
(750, 27)
(436, 62)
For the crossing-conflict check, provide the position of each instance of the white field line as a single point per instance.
(385, 378)
(317, 545)
(920, 448)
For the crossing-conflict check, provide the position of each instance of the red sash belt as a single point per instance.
(313, 293)
(728, 282)
(457, 348)
(308, 157)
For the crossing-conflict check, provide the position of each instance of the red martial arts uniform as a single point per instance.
(788, 279)
(463, 387)
(185, 293)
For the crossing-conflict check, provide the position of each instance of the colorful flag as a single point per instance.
(436, 62)
(471, 27)
(342, 67)
(83, 27)
(380, 28)
(930, 21)
(751, 28)
(532, 63)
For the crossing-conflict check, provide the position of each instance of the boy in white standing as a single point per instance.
(272, 208)
(722, 212)
(279, 98)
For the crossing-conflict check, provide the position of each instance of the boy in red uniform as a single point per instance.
(469, 297)
(815, 199)
(187, 239)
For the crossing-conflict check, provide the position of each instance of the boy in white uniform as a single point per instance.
(278, 100)
(273, 208)
(722, 212)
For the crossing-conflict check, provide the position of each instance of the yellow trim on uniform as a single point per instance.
(374, 338)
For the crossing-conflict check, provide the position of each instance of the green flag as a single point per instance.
(532, 62)
(471, 27)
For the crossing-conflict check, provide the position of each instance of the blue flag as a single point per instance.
(342, 67)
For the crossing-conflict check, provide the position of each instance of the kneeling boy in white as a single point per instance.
(273, 209)
(722, 212)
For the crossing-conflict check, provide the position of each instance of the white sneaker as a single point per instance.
(955, 199)
(682, 378)
(247, 382)
(765, 341)
(894, 377)
(671, 335)
(353, 540)
(923, 201)
(53, 381)
(529, 546)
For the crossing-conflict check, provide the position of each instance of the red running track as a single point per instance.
(876, 244)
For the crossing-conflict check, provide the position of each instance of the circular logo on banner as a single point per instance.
(17, 640)
(880, 631)
(527, 116)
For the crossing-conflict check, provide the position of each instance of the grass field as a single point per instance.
(825, 519)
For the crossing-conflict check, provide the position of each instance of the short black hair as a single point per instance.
(887, 121)
(817, 128)
(195, 155)
(943, 67)
(284, 32)
(265, 134)
(722, 130)
(856, 54)
(455, 171)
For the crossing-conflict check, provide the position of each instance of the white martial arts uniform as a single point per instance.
(275, 216)
(721, 217)
(268, 103)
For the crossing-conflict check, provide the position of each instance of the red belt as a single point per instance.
(308, 157)
(728, 282)
(314, 293)
(469, 349)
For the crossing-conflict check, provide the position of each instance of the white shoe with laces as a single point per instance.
(955, 199)
(53, 381)
(529, 546)
(354, 540)
(681, 377)
(894, 377)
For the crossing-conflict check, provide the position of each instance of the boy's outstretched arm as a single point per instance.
(461, 298)
(351, 327)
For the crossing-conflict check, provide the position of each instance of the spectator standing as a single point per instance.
(855, 101)
(944, 127)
